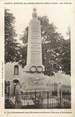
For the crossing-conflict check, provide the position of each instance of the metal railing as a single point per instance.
(57, 97)
(44, 99)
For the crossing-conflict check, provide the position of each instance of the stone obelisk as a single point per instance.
(34, 49)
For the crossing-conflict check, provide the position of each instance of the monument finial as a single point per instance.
(34, 14)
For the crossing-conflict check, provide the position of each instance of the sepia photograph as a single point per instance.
(37, 42)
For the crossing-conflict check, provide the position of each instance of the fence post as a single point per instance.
(47, 99)
(35, 97)
(8, 89)
(59, 95)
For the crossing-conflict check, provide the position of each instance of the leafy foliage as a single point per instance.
(23, 56)
(11, 45)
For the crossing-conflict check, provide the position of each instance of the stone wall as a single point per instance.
(9, 71)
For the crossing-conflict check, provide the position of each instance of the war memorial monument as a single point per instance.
(37, 90)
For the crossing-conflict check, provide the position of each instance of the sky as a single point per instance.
(60, 15)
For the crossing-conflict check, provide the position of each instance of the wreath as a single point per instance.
(33, 69)
(39, 69)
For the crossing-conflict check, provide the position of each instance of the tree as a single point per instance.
(66, 54)
(23, 55)
(11, 45)
(51, 41)
(66, 58)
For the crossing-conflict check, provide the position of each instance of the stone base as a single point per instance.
(34, 81)
(39, 81)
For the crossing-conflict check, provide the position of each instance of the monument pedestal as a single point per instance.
(34, 81)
